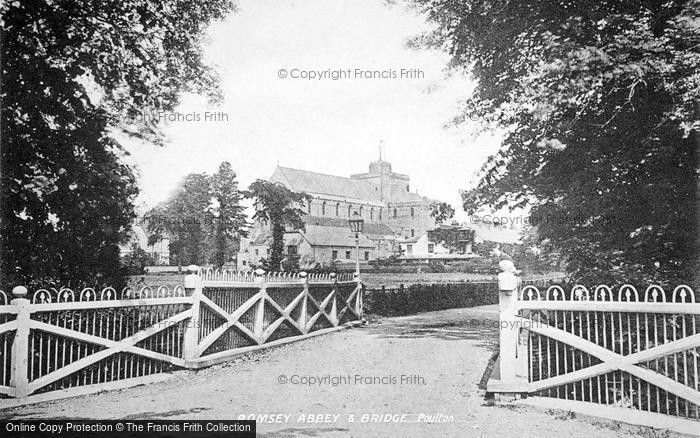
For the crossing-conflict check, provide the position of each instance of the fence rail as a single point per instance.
(227, 275)
(621, 348)
(60, 339)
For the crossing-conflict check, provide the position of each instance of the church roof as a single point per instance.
(398, 194)
(312, 182)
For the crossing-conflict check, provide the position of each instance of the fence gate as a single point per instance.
(634, 354)
(240, 312)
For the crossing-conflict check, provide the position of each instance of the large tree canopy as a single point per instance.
(71, 70)
(202, 214)
(279, 207)
(599, 104)
(229, 217)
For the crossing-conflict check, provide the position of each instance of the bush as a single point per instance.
(135, 262)
(435, 266)
(428, 297)
(477, 265)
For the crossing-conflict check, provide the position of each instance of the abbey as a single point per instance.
(391, 211)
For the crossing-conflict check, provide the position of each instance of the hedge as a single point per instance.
(428, 297)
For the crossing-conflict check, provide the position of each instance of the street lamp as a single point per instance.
(356, 225)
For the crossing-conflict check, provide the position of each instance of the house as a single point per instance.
(444, 242)
(453, 242)
(253, 249)
(159, 251)
(322, 243)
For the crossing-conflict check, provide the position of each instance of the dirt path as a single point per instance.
(441, 355)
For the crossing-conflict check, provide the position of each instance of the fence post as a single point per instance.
(334, 304)
(358, 298)
(303, 317)
(511, 381)
(193, 288)
(259, 325)
(19, 375)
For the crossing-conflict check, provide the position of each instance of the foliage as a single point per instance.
(71, 70)
(441, 211)
(436, 266)
(202, 213)
(325, 267)
(452, 237)
(476, 265)
(428, 297)
(597, 101)
(279, 207)
(228, 212)
(536, 255)
(184, 218)
(135, 262)
(290, 263)
(385, 261)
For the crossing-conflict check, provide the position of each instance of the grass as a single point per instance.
(371, 280)
(155, 280)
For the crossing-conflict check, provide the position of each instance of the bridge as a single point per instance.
(203, 351)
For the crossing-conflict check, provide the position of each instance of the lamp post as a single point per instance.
(356, 225)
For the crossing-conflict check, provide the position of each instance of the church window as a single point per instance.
(413, 212)
(371, 214)
(394, 213)
(323, 208)
(337, 209)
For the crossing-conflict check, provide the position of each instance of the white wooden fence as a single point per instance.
(593, 348)
(59, 340)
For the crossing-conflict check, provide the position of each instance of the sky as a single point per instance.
(330, 126)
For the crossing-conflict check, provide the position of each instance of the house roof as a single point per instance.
(370, 228)
(312, 182)
(332, 236)
(410, 239)
(262, 239)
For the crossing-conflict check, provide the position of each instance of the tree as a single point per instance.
(136, 261)
(202, 217)
(441, 211)
(535, 254)
(71, 70)
(228, 212)
(598, 102)
(279, 207)
(185, 218)
(452, 237)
